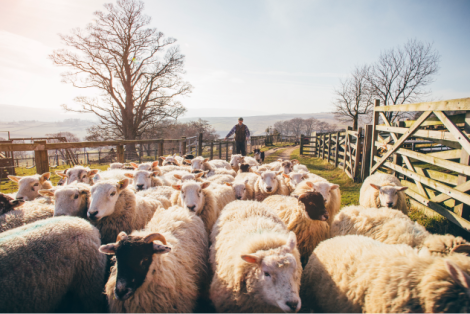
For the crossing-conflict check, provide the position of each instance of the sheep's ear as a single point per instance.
(377, 187)
(133, 164)
(96, 178)
(309, 184)
(121, 236)
(205, 160)
(109, 249)
(460, 278)
(14, 178)
(174, 155)
(462, 248)
(177, 187)
(334, 187)
(160, 249)
(92, 172)
(177, 176)
(188, 161)
(251, 258)
(129, 175)
(200, 174)
(61, 174)
(246, 181)
(155, 164)
(155, 173)
(123, 184)
(401, 188)
(280, 160)
(45, 176)
(291, 243)
(163, 158)
(295, 162)
(46, 192)
(205, 185)
(228, 184)
(206, 172)
(285, 175)
(279, 172)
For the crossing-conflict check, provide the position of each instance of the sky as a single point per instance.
(253, 57)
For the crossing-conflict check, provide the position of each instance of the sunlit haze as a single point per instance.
(252, 57)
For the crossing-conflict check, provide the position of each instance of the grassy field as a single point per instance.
(350, 196)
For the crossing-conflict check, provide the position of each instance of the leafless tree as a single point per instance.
(402, 74)
(281, 127)
(354, 97)
(136, 68)
(309, 125)
(296, 125)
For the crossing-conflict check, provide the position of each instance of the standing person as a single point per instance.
(242, 134)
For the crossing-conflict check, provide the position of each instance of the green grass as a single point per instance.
(349, 189)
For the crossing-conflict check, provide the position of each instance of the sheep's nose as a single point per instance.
(122, 293)
(238, 197)
(19, 198)
(140, 186)
(269, 189)
(191, 208)
(325, 217)
(292, 305)
(389, 204)
(92, 215)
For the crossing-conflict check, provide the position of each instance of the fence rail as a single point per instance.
(430, 155)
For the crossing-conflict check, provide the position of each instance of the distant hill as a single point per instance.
(41, 128)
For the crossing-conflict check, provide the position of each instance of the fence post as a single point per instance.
(199, 144)
(346, 140)
(40, 155)
(366, 152)
(329, 147)
(120, 153)
(140, 153)
(226, 151)
(183, 146)
(462, 209)
(220, 150)
(301, 144)
(212, 150)
(397, 158)
(374, 134)
(160, 152)
(323, 146)
(337, 149)
(234, 147)
(358, 153)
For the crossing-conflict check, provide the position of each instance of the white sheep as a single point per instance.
(236, 160)
(268, 184)
(383, 190)
(305, 215)
(113, 174)
(143, 179)
(201, 163)
(249, 179)
(149, 166)
(255, 261)
(165, 169)
(221, 179)
(356, 274)
(293, 179)
(197, 198)
(188, 176)
(330, 192)
(172, 160)
(44, 263)
(392, 227)
(70, 200)
(28, 212)
(114, 208)
(224, 194)
(299, 167)
(78, 173)
(29, 186)
(243, 190)
(159, 269)
(159, 193)
(116, 165)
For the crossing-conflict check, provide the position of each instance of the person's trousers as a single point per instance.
(241, 148)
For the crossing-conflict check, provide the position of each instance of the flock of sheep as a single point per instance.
(241, 236)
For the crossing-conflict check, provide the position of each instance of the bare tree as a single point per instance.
(354, 97)
(281, 127)
(309, 125)
(296, 125)
(401, 75)
(136, 68)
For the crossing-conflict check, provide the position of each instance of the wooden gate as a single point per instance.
(353, 154)
(308, 144)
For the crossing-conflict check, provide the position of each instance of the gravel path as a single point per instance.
(285, 154)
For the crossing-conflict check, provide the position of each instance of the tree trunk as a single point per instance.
(355, 123)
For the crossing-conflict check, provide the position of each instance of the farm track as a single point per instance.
(285, 154)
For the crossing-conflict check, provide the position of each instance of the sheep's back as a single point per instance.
(29, 212)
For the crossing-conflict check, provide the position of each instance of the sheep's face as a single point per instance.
(147, 166)
(28, 187)
(295, 178)
(388, 194)
(196, 163)
(287, 167)
(134, 258)
(142, 179)
(314, 205)
(192, 197)
(71, 200)
(104, 195)
(235, 161)
(188, 177)
(324, 188)
(239, 188)
(7, 203)
(274, 276)
(269, 182)
(170, 161)
(80, 174)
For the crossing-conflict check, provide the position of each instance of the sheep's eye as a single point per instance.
(32, 189)
(244, 189)
(75, 197)
(36, 184)
(267, 274)
(114, 193)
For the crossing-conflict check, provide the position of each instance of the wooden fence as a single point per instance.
(430, 155)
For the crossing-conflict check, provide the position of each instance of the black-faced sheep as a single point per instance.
(8, 203)
(244, 168)
(383, 190)
(305, 215)
(255, 261)
(48, 265)
(159, 269)
(29, 186)
(356, 274)
(392, 227)
(114, 208)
